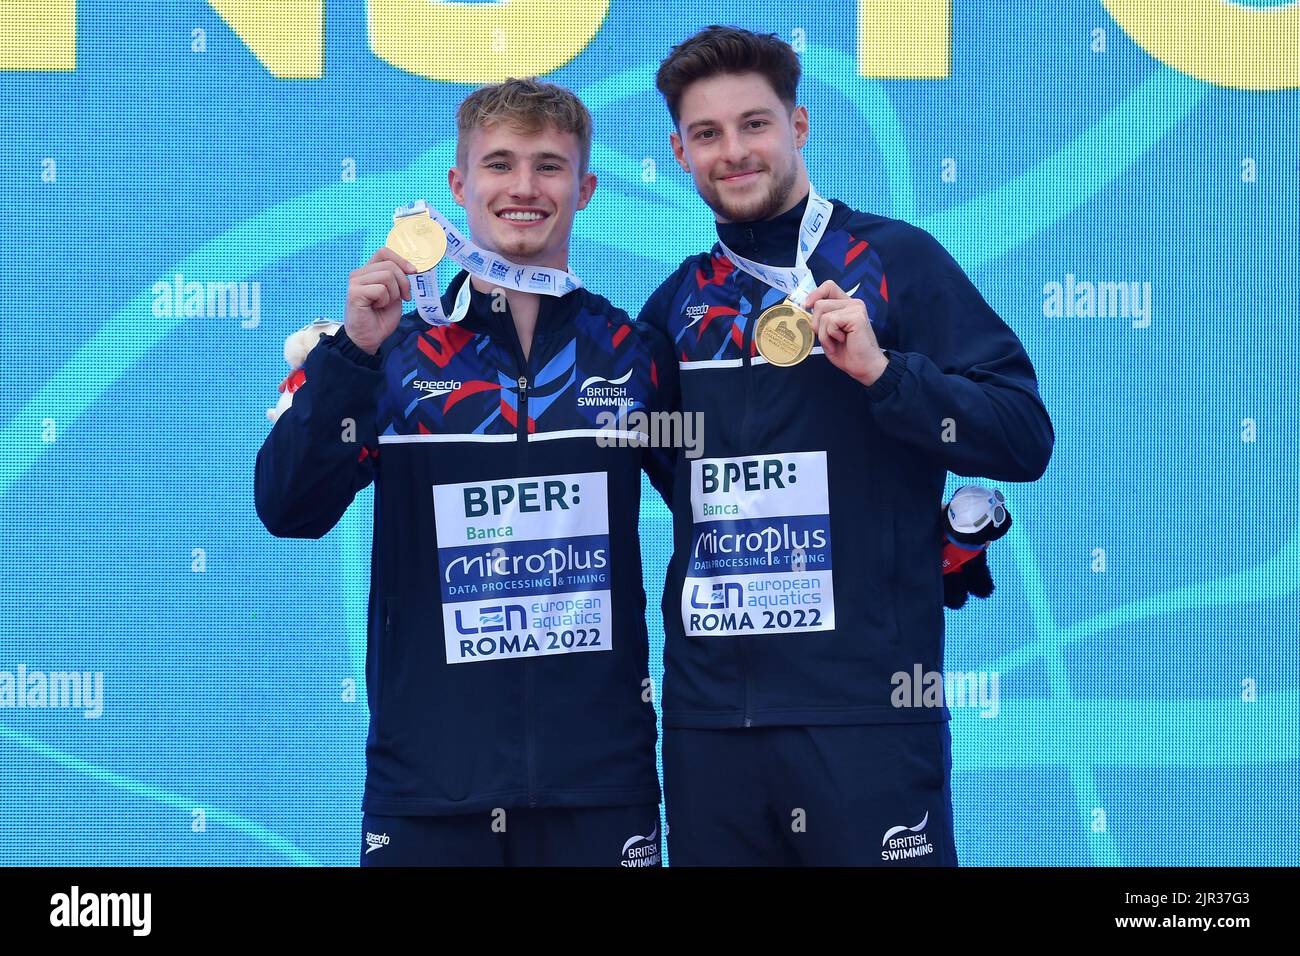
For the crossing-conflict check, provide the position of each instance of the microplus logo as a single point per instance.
(102, 909)
(209, 300)
(73, 690)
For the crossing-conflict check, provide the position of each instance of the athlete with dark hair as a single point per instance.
(843, 364)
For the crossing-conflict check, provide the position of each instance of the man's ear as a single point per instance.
(679, 151)
(457, 183)
(799, 120)
(586, 186)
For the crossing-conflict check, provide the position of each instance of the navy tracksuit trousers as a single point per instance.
(551, 836)
(840, 795)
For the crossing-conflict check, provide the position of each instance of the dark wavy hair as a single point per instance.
(716, 50)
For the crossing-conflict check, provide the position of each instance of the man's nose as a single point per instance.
(524, 185)
(734, 149)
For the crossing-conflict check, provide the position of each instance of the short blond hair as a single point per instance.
(527, 104)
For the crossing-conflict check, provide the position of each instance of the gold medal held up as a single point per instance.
(418, 239)
(784, 334)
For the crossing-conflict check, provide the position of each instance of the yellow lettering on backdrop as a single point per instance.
(482, 42)
(1243, 48)
(287, 37)
(38, 36)
(905, 39)
(1218, 41)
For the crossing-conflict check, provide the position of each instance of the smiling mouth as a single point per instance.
(740, 177)
(522, 217)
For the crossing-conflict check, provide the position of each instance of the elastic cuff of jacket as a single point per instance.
(886, 385)
(353, 352)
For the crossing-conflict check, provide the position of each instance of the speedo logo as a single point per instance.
(696, 312)
(606, 391)
(376, 841)
(432, 388)
(904, 843)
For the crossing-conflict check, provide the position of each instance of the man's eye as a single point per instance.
(495, 165)
(753, 123)
(703, 133)
(550, 167)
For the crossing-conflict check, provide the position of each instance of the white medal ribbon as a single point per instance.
(797, 283)
(480, 262)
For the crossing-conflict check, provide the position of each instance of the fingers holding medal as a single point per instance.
(834, 313)
(374, 298)
(840, 322)
(419, 236)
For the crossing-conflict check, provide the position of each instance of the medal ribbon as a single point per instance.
(480, 262)
(797, 283)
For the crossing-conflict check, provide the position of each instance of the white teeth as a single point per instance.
(522, 216)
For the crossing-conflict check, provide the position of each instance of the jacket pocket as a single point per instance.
(639, 667)
(380, 654)
(892, 578)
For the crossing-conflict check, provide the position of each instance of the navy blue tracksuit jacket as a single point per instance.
(806, 569)
(507, 653)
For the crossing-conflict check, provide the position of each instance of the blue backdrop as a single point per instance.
(1145, 628)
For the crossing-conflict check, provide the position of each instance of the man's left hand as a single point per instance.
(841, 325)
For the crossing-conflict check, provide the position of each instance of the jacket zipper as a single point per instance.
(385, 649)
(746, 346)
(521, 436)
(530, 663)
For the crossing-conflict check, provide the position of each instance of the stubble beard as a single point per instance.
(771, 204)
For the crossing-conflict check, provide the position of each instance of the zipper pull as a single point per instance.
(523, 384)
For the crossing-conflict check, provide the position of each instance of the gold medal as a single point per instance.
(417, 239)
(784, 334)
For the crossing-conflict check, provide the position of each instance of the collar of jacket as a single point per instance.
(771, 241)
(554, 313)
